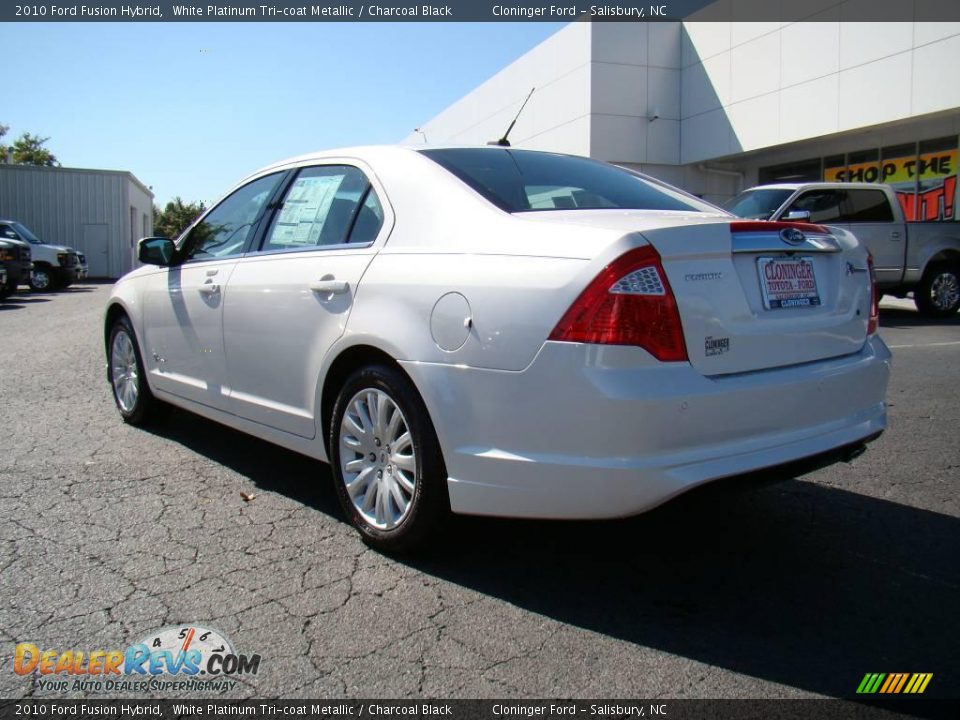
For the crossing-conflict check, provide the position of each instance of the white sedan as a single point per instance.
(497, 331)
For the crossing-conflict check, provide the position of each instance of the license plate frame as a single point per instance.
(788, 289)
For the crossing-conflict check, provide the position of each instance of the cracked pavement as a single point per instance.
(780, 584)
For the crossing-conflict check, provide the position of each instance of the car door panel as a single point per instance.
(184, 335)
(183, 304)
(289, 302)
(277, 330)
(869, 216)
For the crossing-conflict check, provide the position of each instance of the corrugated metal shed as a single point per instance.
(100, 212)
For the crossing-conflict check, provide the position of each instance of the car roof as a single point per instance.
(370, 152)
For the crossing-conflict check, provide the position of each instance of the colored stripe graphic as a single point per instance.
(903, 679)
(894, 683)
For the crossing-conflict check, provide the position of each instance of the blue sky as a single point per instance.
(190, 108)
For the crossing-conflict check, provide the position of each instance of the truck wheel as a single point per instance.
(938, 294)
(6, 291)
(41, 279)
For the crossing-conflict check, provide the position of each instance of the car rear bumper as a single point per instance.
(596, 432)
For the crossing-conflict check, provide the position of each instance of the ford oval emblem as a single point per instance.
(792, 236)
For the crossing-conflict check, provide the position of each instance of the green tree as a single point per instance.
(174, 218)
(29, 150)
(4, 150)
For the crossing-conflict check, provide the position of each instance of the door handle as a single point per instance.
(895, 235)
(209, 289)
(333, 287)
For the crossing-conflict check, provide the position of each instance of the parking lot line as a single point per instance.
(922, 345)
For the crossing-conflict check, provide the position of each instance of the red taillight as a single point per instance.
(775, 225)
(874, 322)
(629, 303)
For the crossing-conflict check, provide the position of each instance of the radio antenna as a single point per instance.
(503, 142)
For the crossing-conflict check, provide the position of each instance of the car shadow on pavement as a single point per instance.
(15, 302)
(268, 466)
(764, 574)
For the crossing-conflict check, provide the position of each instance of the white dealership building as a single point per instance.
(715, 107)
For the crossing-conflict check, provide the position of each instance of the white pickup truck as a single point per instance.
(55, 267)
(920, 257)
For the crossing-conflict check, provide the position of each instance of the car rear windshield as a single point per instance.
(757, 204)
(524, 181)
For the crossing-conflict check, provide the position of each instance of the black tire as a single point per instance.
(145, 408)
(429, 504)
(6, 291)
(42, 279)
(938, 294)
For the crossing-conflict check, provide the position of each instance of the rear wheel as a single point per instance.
(938, 294)
(131, 393)
(387, 466)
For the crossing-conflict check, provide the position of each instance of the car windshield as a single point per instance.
(524, 181)
(757, 204)
(23, 232)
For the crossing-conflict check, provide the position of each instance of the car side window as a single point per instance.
(824, 206)
(867, 206)
(325, 205)
(8, 232)
(224, 231)
(369, 220)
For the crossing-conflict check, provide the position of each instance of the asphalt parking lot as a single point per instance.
(773, 585)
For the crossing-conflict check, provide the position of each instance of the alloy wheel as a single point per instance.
(41, 279)
(945, 291)
(377, 459)
(124, 374)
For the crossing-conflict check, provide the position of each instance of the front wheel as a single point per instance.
(938, 294)
(131, 393)
(387, 465)
(41, 279)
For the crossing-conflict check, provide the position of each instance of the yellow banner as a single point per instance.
(930, 166)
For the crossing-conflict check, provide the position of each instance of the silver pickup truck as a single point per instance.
(923, 258)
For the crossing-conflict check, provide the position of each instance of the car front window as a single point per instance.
(224, 231)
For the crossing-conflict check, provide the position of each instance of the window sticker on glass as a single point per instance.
(304, 211)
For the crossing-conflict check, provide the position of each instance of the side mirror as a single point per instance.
(798, 216)
(156, 251)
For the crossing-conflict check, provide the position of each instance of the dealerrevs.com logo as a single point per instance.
(179, 657)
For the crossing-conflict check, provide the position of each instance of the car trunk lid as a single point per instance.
(756, 295)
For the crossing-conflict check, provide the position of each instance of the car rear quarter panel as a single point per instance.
(509, 305)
